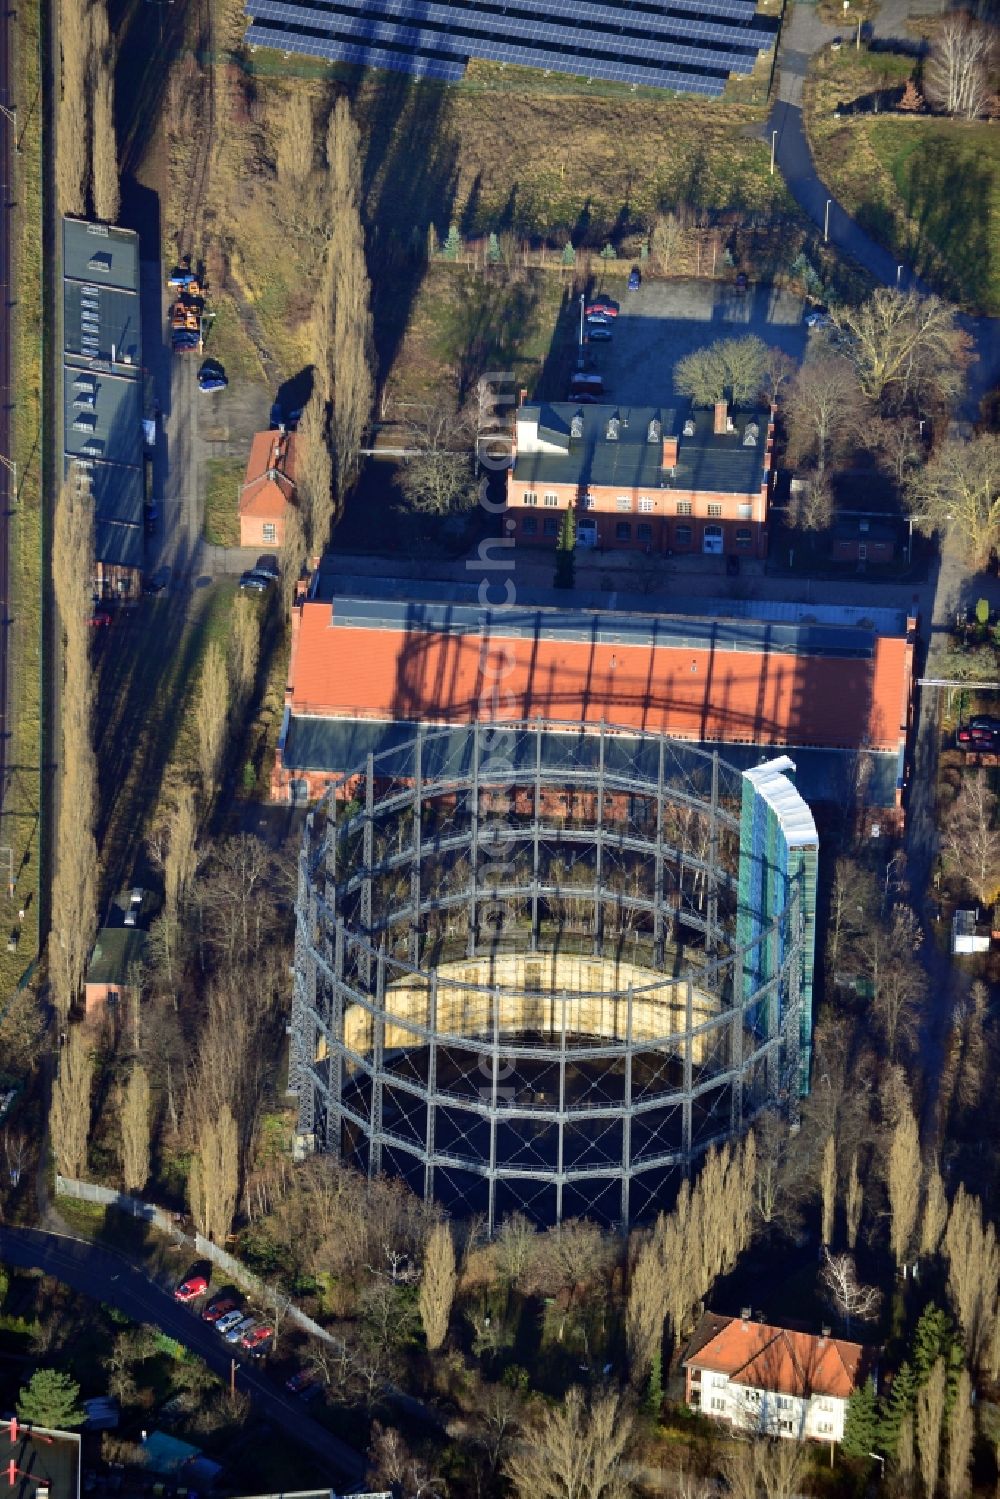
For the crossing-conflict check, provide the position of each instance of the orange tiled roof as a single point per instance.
(755, 697)
(781, 1361)
(269, 484)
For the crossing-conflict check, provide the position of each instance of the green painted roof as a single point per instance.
(117, 950)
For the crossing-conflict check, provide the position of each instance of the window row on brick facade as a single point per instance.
(646, 505)
(642, 531)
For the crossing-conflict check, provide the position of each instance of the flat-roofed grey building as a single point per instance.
(103, 394)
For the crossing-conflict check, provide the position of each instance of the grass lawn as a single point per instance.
(21, 831)
(927, 188)
(223, 477)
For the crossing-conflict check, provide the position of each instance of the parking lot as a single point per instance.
(664, 320)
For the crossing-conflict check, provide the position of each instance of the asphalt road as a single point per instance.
(106, 1276)
(800, 38)
(7, 490)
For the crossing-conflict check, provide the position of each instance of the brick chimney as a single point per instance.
(670, 451)
(721, 418)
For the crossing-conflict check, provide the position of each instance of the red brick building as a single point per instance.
(654, 478)
(370, 658)
(268, 489)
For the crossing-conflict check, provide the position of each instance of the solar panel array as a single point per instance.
(693, 51)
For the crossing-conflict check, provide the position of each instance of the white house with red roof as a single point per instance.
(772, 1379)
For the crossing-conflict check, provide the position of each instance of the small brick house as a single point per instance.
(268, 489)
(657, 479)
(863, 541)
(761, 1378)
(112, 974)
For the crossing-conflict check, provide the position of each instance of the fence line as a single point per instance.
(135, 1207)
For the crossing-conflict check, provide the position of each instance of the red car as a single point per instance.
(190, 1290)
(601, 308)
(256, 1337)
(300, 1381)
(100, 619)
(218, 1308)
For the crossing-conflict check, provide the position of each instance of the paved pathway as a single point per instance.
(803, 36)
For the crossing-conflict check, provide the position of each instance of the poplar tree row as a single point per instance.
(86, 141)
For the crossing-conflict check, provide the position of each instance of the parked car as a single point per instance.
(602, 304)
(815, 320)
(598, 320)
(213, 381)
(981, 732)
(634, 279)
(301, 1380)
(188, 1290)
(100, 619)
(239, 1329)
(217, 1309)
(256, 580)
(151, 516)
(153, 586)
(599, 335)
(256, 1337)
(229, 1320)
(131, 919)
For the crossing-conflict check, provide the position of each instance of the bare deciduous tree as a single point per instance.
(295, 139)
(181, 859)
(828, 1188)
(731, 367)
(854, 1301)
(903, 1181)
(764, 1465)
(72, 133)
(935, 1215)
(905, 346)
(105, 184)
(292, 560)
(929, 1420)
(135, 1130)
(69, 1114)
(213, 1183)
(646, 1311)
(973, 1257)
(665, 241)
(961, 1434)
(244, 653)
(824, 405)
(212, 716)
(957, 73)
(437, 1285)
(515, 1246)
(438, 477)
(314, 472)
(345, 305)
(74, 884)
(970, 834)
(574, 1451)
(853, 1203)
(898, 979)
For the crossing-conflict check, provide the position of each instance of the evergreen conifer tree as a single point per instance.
(861, 1424)
(566, 551)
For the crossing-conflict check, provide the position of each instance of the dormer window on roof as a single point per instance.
(751, 435)
(655, 431)
(576, 425)
(688, 428)
(614, 427)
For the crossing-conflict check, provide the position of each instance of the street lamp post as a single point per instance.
(826, 221)
(774, 142)
(899, 273)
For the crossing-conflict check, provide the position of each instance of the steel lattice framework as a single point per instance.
(517, 981)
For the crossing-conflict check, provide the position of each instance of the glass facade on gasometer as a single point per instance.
(544, 969)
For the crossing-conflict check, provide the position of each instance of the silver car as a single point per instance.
(229, 1320)
(240, 1329)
